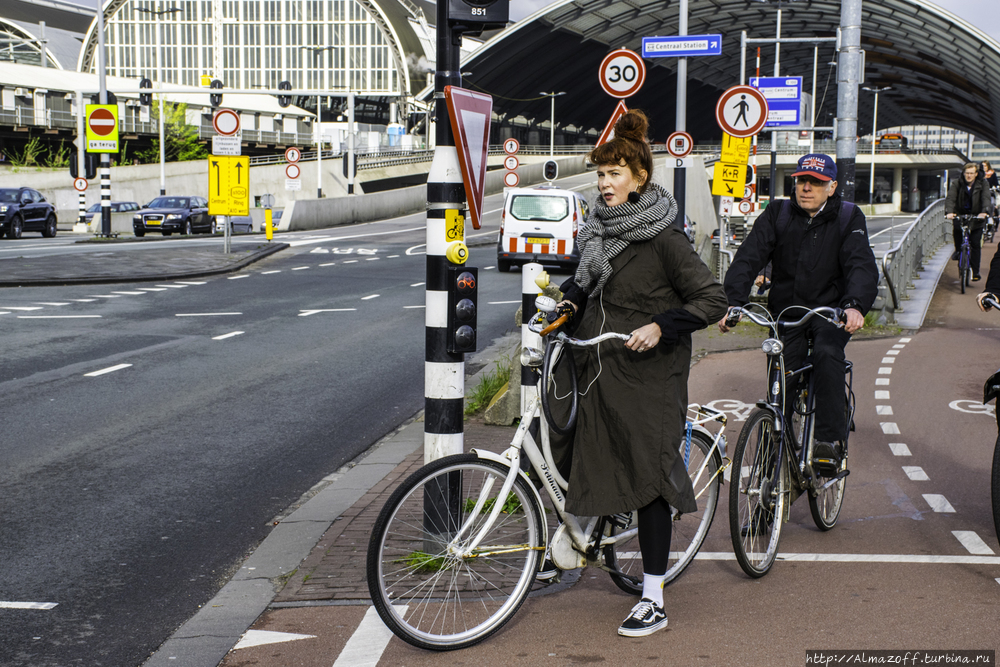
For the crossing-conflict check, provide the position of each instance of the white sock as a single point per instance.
(652, 587)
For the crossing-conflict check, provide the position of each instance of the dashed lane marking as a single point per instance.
(416, 284)
(22, 308)
(103, 371)
(370, 296)
(84, 300)
(57, 317)
(392, 256)
(881, 395)
(916, 473)
(885, 370)
(245, 275)
(420, 306)
(939, 503)
(366, 645)
(131, 293)
(52, 303)
(372, 259)
(152, 289)
(881, 381)
(27, 605)
(351, 261)
(501, 303)
(888, 360)
(185, 282)
(228, 335)
(899, 449)
(892, 353)
(883, 409)
(106, 296)
(204, 314)
(307, 313)
(971, 541)
(328, 264)
(889, 428)
(301, 268)
(173, 286)
(267, 273)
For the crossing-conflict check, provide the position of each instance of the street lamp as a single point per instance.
(319, 128)
(871, 175)
(159, 80)
(552, 126)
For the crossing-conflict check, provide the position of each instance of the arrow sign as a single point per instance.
(218, 189)
(239, 173)
(470, 113)
(682, 46)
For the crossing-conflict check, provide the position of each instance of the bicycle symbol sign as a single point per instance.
(454, 225)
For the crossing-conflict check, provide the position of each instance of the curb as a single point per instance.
(229, 268)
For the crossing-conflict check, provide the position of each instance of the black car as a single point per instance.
(116, 207)
(186, 215)
(25, 210)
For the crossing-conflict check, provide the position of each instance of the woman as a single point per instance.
(990, 175)
(637, 274)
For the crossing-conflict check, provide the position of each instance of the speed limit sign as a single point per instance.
(622, 73)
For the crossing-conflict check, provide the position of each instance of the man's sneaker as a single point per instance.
(976, 278)
(548, 571)
(826, 457)
(646, 618)
(954, 256)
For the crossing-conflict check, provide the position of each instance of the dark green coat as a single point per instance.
(625, 449)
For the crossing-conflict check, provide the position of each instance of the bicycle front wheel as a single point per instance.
(758, 490)
(963, 270)
(427, 585)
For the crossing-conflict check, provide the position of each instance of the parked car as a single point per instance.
(540, 225)
(169, 214)
(237, 223)
(116, 207)
(25, 210)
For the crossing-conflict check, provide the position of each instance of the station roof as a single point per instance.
(942, 70)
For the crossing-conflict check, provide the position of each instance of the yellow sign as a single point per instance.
(102, 128)
(206, 80)
(229, 185)
(729, 179)
(454, 225)
(735, 150)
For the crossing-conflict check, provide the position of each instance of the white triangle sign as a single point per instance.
(470, 113)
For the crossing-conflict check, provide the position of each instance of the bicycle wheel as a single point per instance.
(758, 490)
(624, 556)
(963, 269)
(825, 503)
(995, 490)
(688, 531)
(427, 590)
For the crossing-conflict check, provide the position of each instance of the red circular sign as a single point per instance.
(292, 171)
(293, 154)
(745, 207)
(679, 144)
(80, 184)
(101, 122)
(226, 122)
(741, 111)
(510, 162)
(622, 73)
(510, 179)
(511, 146)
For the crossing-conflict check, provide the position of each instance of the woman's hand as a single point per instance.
(644, 338)
(563, 304)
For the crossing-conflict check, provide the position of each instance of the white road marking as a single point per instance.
(889, 428)
(892, 353)
(372, 259)
(22, 308)
(203, 314)
(130, 293)
(366, 645)
(56, 317)
(370, 296)
(324, 239)
(916, 473)
(392, 256)
(267, 273)
(898, 347)
(228, 335)
(412, 250)
(188, 282)
(4, 312)
(501, 303)
(864, 558)
(416, 284)
(307, 313)
(489, 267)
(905, 340)
(888, 360)
(971, 541)
(52, 303)
(351, 261)
(883, 409)
(245, 275)
(173, 286)
(938, 503)
(264, 637)
(885, 371)
(29, 605)
(84, 300)
(420, 306)
(106, 296)
(881, 382)
(152, 289)
(881, 396)
(899, 449)
(328, 264)
(110, 369)
(301, 268)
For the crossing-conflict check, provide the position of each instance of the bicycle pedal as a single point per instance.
(622, 520)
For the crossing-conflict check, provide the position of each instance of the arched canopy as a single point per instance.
(942, 70)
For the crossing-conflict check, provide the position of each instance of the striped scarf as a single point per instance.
(609, 229)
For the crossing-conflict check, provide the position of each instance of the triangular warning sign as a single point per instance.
(470, 115)
(609, 130)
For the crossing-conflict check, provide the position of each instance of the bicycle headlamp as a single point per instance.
(531, 356)
(771, 346)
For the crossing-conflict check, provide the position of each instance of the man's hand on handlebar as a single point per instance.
(981, 300)
(854, 320)
(730, 320)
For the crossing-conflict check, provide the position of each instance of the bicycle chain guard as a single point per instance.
(561, 550)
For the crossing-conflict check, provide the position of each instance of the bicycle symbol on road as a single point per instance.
(739, 410)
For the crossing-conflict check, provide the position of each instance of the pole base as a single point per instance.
(81, 228)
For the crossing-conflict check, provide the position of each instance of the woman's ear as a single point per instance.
(641, 178)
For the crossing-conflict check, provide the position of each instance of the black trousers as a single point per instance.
(828, 373)
(975, 244)
(655, 523)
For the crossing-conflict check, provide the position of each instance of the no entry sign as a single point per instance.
(102, 128)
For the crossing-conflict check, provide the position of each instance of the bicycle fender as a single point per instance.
(720, 451)
(498, 458)
(992, 388)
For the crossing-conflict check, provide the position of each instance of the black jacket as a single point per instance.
(813, 264)
(955, 202)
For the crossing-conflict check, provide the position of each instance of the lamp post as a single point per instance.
(319, 129)
(871, 173)
(159, 82)
(552, 121)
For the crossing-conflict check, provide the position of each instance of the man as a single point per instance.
(969, 195)
(818, 249)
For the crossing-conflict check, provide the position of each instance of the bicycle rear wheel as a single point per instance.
(426, 589)
(688, 531)
(758, 490)
(825, 504)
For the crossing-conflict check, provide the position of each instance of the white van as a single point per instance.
(540, 225)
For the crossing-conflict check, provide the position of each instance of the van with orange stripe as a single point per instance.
(540, 225)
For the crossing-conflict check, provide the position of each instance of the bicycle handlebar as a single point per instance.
(990, 302)
(535, 325)
(834, 316)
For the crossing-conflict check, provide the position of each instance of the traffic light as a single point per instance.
(216, 98)
(284, 100)
(96, 98)
(463, 291)
(477, 15)
(145, 98)
(90, 161)
(550, 170)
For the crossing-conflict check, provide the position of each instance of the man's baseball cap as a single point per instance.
(819, 165)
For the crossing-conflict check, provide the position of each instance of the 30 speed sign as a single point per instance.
(622, 73)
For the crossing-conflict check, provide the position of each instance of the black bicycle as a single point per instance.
(773, 462)
(965, 252)
(991, 390)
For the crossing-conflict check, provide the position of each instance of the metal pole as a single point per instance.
(350, 143)
(774, 135)
(848, 76)
(159, 82)
(319, 147)
(81, 161)
(871, 172)
(41, 44)
(552, 128)
(680, 173)
(103, 98)
(812, 105)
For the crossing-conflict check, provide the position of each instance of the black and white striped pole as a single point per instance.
(105, 157)
(529, 339)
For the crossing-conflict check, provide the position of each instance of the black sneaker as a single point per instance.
(954, 256)
(646, 618)
(826, 457)
(548, 571)
(976, 278)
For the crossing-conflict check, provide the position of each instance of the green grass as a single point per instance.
(418, 560)
(491, 382)
(512, 505)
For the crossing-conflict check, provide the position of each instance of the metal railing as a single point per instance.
(900, 265)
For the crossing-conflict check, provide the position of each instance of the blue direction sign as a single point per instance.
(784, 99)
(681, 46)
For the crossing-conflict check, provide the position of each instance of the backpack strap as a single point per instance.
(846, 211)
(784, 215)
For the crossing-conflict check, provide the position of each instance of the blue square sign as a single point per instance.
(784, 99)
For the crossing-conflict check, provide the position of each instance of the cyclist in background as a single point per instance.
(818, 248)
(969, 195)
(989, 174)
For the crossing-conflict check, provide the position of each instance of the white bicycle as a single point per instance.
(455, 550)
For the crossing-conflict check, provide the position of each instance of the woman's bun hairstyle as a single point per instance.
(629, 145)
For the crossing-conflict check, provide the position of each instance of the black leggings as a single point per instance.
(654, 536)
